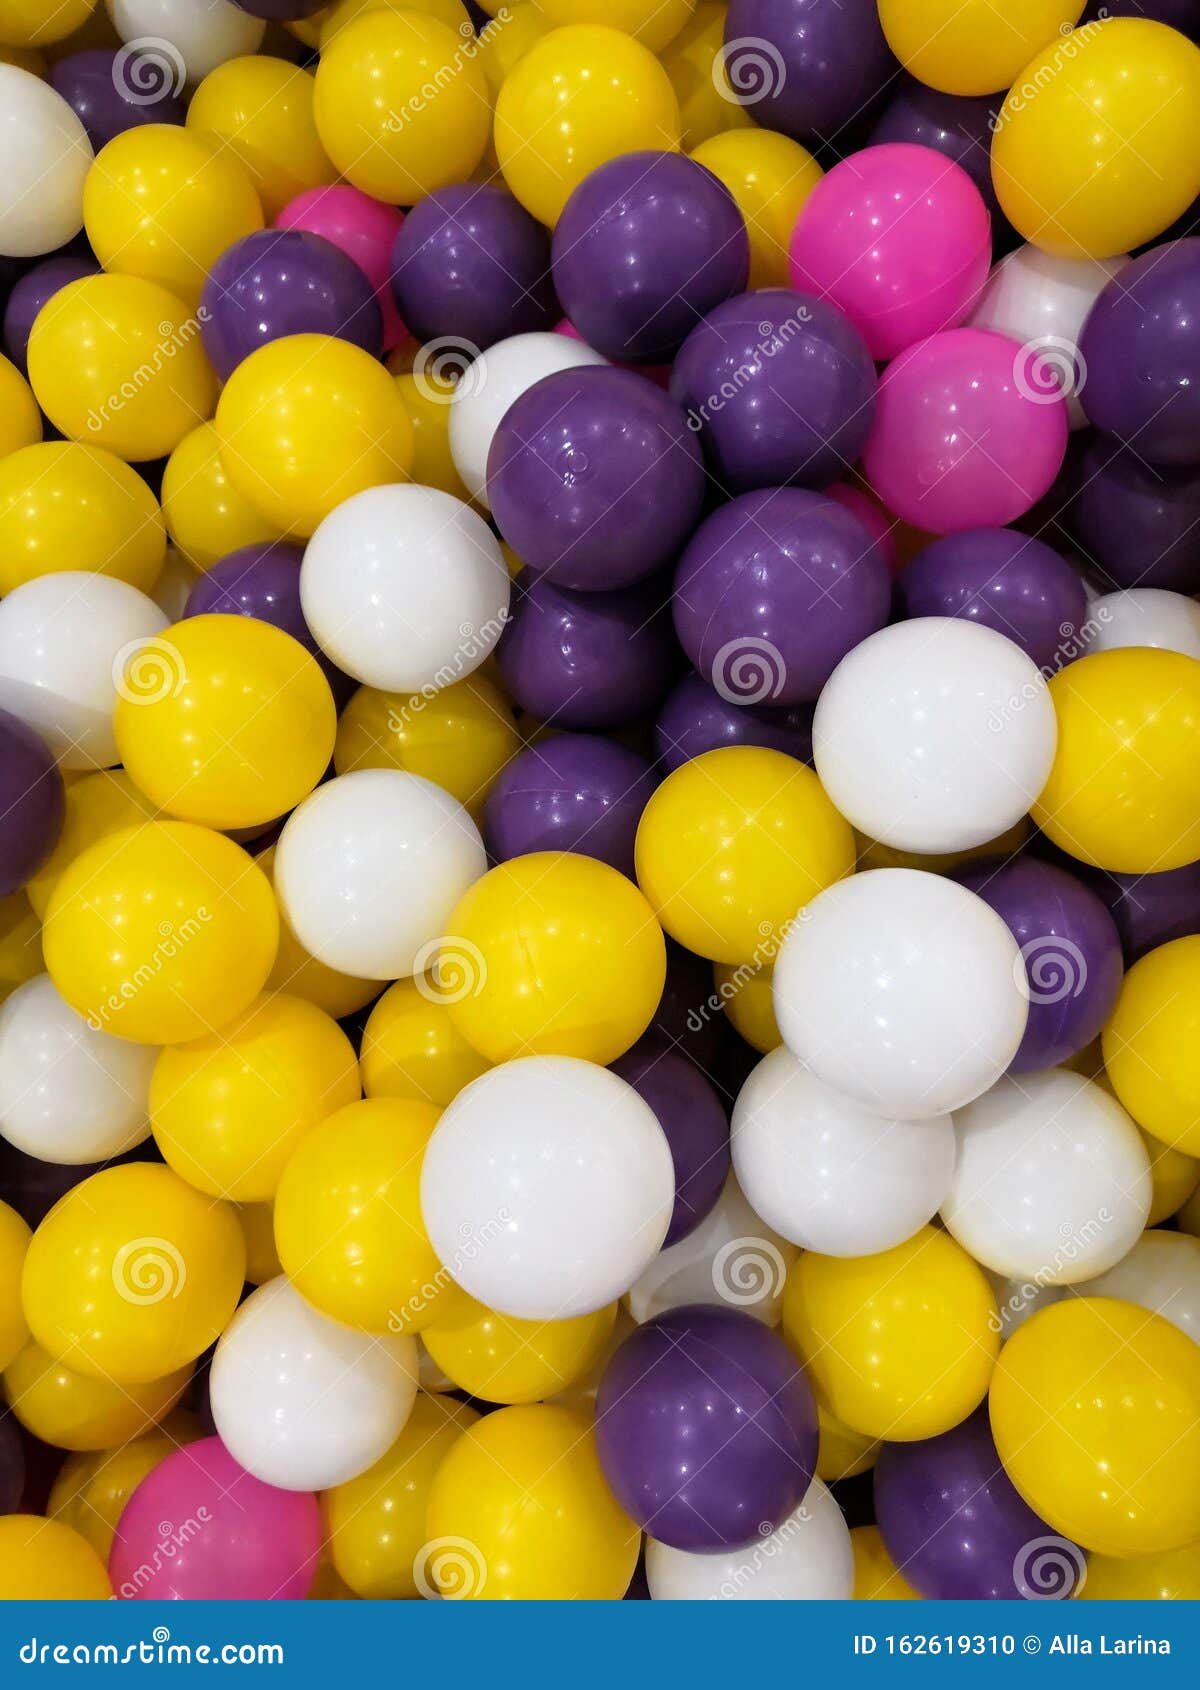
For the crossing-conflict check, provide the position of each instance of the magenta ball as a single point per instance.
(961, 437)
(200, 1528)
(693, 1120)
(364, 228)
(571, 792)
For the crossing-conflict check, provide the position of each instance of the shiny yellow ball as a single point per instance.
(14, 1243)
(98, 806)
(20, 419)
(43, 1561)
(770, 176)
(261, 109)
(876, 1576)
(1152, 1044)
(970, 46)
(498, 1358)
(64, 505)
(206, 517)
(76, 1411)
(412, 1048)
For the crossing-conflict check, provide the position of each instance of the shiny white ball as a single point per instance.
(809, 1558)
(1161, 1273)
(1146, 616)
(187, 38)
(44, 156)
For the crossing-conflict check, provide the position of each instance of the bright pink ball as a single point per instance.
(199, 1527)
(962, 438)
(898, 237)
(364, 229)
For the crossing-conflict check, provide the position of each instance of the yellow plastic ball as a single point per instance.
(748, 999)
(14, 1243)
(1172, 1576)
(44, 1561)
(334, 18)
(506, 38)
(770, 176)
(579, 96)
(971, 46)
(1095, 149)
(348, 1223)
(501, 1359)
(876, 1576)
(20, 943)
(161, 933)
(1152, 1044)
(552, 954)
(20, 419)
(900, 1345)
(1124, 789)
(257, 1221)
(426, 399)
(411, 1047)
(873, 854)
(133, 1274)
(91, 1490)
(401, 106)
(307, 421)
(35, 23)
(300, 974)
(118, 361)
(261, 109)
(1095, 1409)
(376, 1523)
(206, 517)
(732, 845)
(228, 1110)
(695, 62)
(71, 1410)
(1174, 1176)
(64, 505)
(654, 22)
(224, 720)
(524, 1491)
(842, 1452)
(99, 805)
(25, 58)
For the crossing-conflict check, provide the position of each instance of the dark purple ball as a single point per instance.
(695, 718)
(646, 245)
(595, 479)
(706, 1428)
(689, 1012)
(585, 660)
(1140, 347)
(31, 292)
(12, 1464)
(280, 282)
(807, 67)
(772, 592)
(955, 1526)
(781, 388)
(572, 792)
(693, 1118)
(471, 264)
(32, 803)
(1008, 581)
(959, 126)
(1151, 909)
(1140, 526)
(110, 92)
(1071, 950)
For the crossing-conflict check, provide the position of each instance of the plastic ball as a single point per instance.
(655, 24)
(901, 1344)
(68, 506)
(262, 582)
(876, 1576)
(29, 294)
(426, 398)
(412, 1048)
(303, 1402)
(112, 91)
(692, 1116)
(44, 156)
(572, 792)
(1123, 792)
(696, 718)
(461, 736)
(1085, 188)
(97, 805)
(41, 1560)
(969, 48)
(780, 387)
(298, 973)
(124, 1304)
(370, 867)
(93, 1486)
(1095, 1409)
(229, 1109)
(1170, 1577)
(693, 59)
(519, 1509)
(746, 996)
(72, 1410)
(22, 423)
(842, 1453)
(262, 110)
(826, 1173)
(1175, 1179)
(586, 1178)
(24, 23)
(161, 933)
(32, 801)
(201, 33)
(206, 517)
(498, 1358)
(955, 125)
(14, 1243)
(305, 423)
(808, 69)
(1160, 1273)
(1135, 523)
(364, 228)
(808, 1558)
(1150, 1054)
(770, 177)
(400, 108)
(1145, 616)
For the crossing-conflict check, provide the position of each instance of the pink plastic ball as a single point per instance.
(364, 229)
(899, 238)
(962, 437)
(199, 1527)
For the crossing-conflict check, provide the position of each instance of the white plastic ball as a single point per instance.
(1161, 1273)
(68, 1093)
(202, 33)
(903, 990)
(1018, 1300)
(1042, 301)
(934, 735)
(1145, 616)
(547, 1187)
(44, 156)
(405, 588)
(369, 867)
(809, 1558)
(491, 384)
(301, 1401)
(64, 643)
(827, 1173)
(1052, 1182)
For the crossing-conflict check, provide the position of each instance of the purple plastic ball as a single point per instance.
(646, 245)
(32, 803)
(572, 792)
(772, 592)
(471, 264)
(807, 67)
(280, 282)
(31, 292)
(1070, 947)
(1139, 525)
(781, 388)
(585, 660)
(954, 1524)
(689, 1012)
(706, 1428)
(595, 479)
(695, 718)
(110, 92)
(693, 1118)
(1151, 909)
(1008, 581)
(959, 126)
